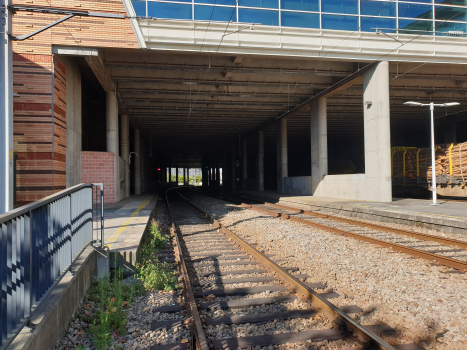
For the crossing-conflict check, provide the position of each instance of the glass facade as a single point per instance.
(426, 17)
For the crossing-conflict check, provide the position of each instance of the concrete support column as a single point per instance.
(111, 127)
(184, 177)
(204, 176)
(225, 166)
(282, 162)
(234, 168)
(176, 176)
(376, 115)
(170, 176)
(244, 163)
(260, 162)
(125, 147)
(137, 163)
(142, 164)
(319, 142)
(74, 133)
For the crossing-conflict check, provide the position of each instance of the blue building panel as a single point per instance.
(421, 17)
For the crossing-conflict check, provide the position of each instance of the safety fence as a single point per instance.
(38, 244)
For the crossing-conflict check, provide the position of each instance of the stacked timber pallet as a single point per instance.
(442, 163)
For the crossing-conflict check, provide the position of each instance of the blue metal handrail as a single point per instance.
(38, 244)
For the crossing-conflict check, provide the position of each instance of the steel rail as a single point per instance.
(423, 236)
(344, 322)
(438, 259)
(200, 336)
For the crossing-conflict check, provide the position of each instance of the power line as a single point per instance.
(359, 28)
(211, 62)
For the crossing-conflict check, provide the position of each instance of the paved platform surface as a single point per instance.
(124, 225)
(449, 216)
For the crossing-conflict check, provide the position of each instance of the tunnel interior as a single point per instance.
(196, 110)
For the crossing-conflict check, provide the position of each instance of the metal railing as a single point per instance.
(38, 244)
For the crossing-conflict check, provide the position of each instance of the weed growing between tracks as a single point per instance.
(101, 323)
(153, 274)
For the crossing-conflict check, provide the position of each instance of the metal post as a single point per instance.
(31, 278)
(71, 234)
(102, 217)
(92, 214)
(6, 109)
(433, 166)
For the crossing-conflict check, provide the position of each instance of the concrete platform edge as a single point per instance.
(127, 259)
(445, 225)
(53, 315)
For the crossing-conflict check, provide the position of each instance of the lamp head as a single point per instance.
(450, 104)
(411, 103)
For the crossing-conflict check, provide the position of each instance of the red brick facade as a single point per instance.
(99, 167)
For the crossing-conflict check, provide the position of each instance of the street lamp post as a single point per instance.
(433, 165)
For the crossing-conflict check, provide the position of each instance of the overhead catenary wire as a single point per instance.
(359, 28)
(215, 54)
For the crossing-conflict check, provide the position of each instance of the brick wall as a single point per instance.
(99, 167)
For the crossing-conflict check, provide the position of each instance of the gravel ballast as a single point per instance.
(424, 303)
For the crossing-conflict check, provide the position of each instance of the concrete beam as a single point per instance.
(376, 115)
(96, 63)
(319, 142)
(334, 89)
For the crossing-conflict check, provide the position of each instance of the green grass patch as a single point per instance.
(153, 274)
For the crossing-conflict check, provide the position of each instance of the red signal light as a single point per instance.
(158, 169)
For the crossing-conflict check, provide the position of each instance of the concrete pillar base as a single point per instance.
(103, 263)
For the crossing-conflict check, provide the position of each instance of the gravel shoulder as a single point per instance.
(424, 303)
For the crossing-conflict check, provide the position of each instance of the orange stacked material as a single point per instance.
(443, 162)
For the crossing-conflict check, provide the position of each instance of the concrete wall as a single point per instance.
(98, 167)
(300, 185)
(73, 122)
(56, 310)
(352, 186)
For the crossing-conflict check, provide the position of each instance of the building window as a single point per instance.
(420, 17)
(215, 13)
(341, 6)
(169, 10)
(300, 5)
(140, 8)
(339, 22)
(265, 17)
(378, 8)
(300, 19)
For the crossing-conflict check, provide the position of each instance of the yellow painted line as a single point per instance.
(364, 206)
(122, 228)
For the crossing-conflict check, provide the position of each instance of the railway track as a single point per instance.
(236, 297)
(438, 250)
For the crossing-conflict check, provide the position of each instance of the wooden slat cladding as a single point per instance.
(40, 81)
